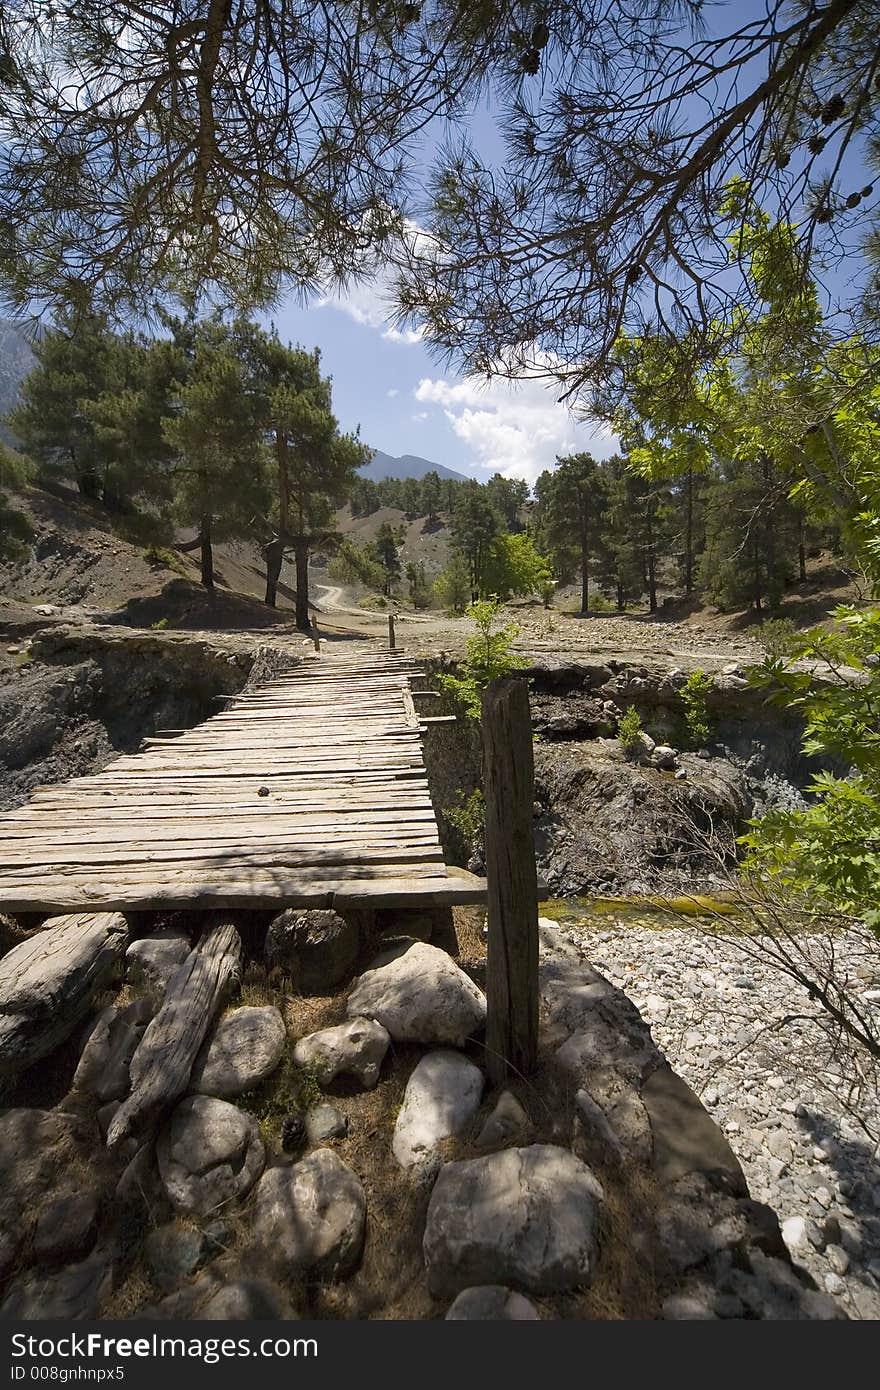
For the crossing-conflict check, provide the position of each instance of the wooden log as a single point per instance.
(391, 641)
(48, 982)
(512, 948)
(163, 1060)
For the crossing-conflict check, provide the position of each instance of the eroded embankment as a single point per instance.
(663, 820)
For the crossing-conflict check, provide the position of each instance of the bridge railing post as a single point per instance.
(391, 642)
(512, 881)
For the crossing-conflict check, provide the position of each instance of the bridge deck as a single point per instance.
(307, 790)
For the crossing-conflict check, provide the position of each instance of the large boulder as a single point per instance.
(350, 1049)
(210, 1154)
(526, 1217)
(317, 948)
(66, 1225)
(104, 1064)
(442, 1096)
(309, 1218)
(245, 1048)
(420, 995)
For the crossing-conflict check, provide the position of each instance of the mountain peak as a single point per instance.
(405, 466)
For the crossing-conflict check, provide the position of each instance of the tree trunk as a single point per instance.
(585, 566)
(89, 485)
(301, 554)
(756, 570)
(802, 552)
(163, 1060)
(621, 600)
(689, 535)
(207, 551)
(274, 553)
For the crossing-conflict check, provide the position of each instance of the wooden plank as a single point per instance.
(48, 983)
(512, 946)
(163, 1059)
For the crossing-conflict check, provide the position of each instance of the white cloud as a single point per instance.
(370, 301)
(513, 428)
(392, 393)
(421, 415)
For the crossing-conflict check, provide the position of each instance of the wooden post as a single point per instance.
(391, 631)
(316, 636)
(512, 880)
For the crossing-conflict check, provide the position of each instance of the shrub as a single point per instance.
(778, 637)
(629, 730)
(160, 624)
(163, 558)
(487, 656)
(468, 815)
(695, 695)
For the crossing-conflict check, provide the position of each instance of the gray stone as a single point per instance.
(245, 1048)
(685, 1308)
(209, 1153)
(172, 1253)
(104, 1064)
(420, 996)
(66, 1225)
(526, 1217)
(317, 948)
(686, 1138)
(837, 1258)
(309, 1218)
(155, 958)
(248, 1300)
(442, 1096)
(507, 1121)
(324, 1122)
(664, 757)
(492, 1303)
(35, 1148)
(596, 1122)
(350, 1049)
(74, 1292)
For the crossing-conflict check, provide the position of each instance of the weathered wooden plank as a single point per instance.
(48, 982)
(163, 1060)
(512, 945)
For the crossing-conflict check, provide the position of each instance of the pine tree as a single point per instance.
(573, 500)
(220, 474)
(475, 525)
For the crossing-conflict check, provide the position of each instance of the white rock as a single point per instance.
(442, 1096)
(420, 996)
(794, 1233)
(350, 1049)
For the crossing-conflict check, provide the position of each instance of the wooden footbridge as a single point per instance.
(307, 790)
